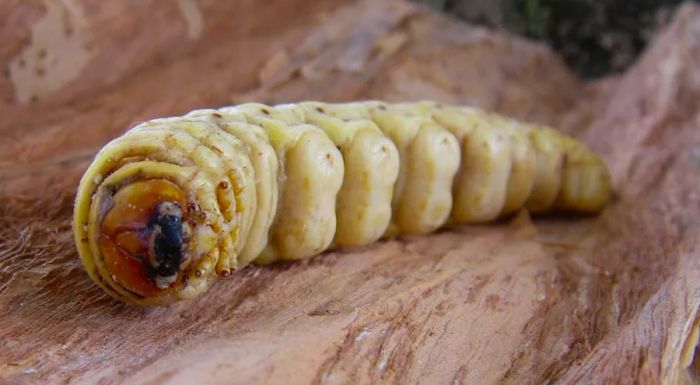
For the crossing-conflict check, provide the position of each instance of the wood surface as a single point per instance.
(595, 300)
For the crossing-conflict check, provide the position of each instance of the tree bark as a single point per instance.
(606, 299)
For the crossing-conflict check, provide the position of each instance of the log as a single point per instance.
(597, 300)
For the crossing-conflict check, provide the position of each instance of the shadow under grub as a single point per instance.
(595, 38)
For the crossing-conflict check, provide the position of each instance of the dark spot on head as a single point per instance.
(265, 111)
(167, 245)
(166, 242)
(382, 107)
(319, 109)
(217, 115)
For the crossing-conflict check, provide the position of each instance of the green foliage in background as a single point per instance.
(595, 37)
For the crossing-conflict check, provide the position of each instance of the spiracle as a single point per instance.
(174, 203)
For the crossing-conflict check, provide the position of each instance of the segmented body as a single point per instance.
(176, 202)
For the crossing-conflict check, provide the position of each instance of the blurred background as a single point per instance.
(595, 37)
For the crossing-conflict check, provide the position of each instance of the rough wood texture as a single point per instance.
(611, 299)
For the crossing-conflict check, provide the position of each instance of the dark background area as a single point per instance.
(595, 37)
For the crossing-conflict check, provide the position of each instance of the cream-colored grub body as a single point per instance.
(174, 203)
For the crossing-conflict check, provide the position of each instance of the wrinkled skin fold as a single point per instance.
(176, 202)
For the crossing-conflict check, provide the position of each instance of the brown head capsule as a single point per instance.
(141, 237)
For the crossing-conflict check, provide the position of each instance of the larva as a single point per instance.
(176, 202)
